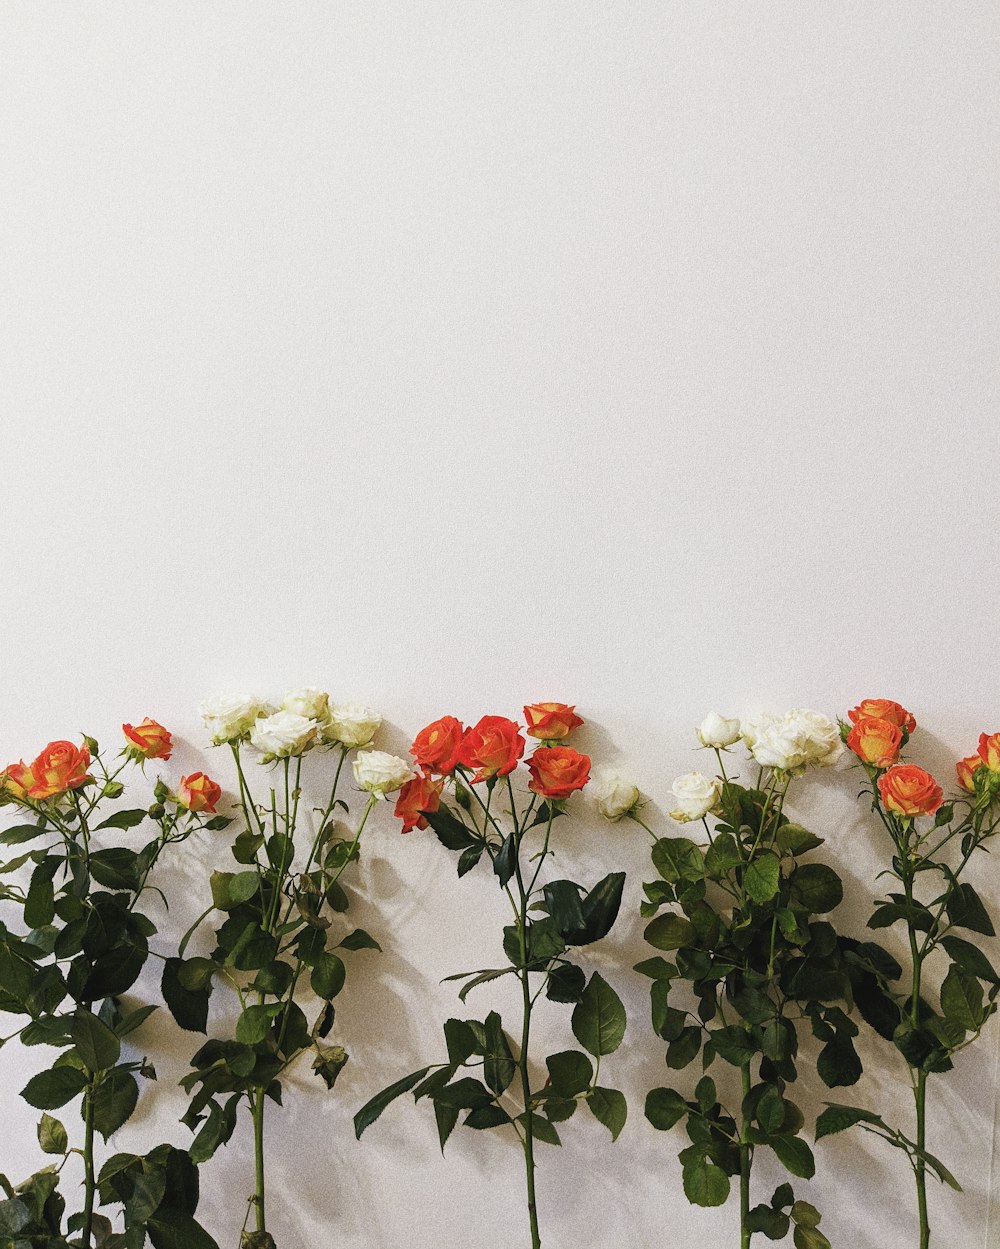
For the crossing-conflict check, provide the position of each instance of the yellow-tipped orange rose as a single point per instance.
(883, 709)
(198, 792)
(61, 766)
(148, 740)
(16, 779)
(909, 791)
(875, 741)
(966, 770)
(989, 750)
(551, 721)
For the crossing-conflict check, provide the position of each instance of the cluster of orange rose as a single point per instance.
(491, 748)
(880, 730)
(63, 767)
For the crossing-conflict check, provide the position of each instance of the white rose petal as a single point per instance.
(381, 773)
(312, 703)
(229, 717)
(615, 796)
(789, 743)
(283, 734)
(351, 725)
(718, 731)
(696, 794)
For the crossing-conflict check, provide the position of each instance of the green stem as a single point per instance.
(745, 1160)
(528, 1143)
(258, 1155)
(920, 1171)
(89, 1183)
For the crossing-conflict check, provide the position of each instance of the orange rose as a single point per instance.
(966, 770)
(875, 741)
(883, 709)
(149, 740)
(198, 792)
(551, 721)
(60, 767)
(417, 796)
(556, 771)
(492, 747)
(437, 747)
(989, 750)
(908, 791)
(16, 779)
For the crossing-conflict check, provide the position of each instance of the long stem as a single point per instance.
(529, 1144)
(920, 1171)
(258, 1156)
(89, 1183)
(745, 1232)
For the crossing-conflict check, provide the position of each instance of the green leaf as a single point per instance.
(498, 1061)
(570, 1072)
(562, 901)
(962, 998)
(816, 888)
(506, 859)
(760, 880)
(487, 1117)
(114, 1100)
(371, 1110)
(253, 1025)
(795, 1155)
(809, 1238)
(230, 889)
(173, 1229)
(115, 868)
(670, 932)
(684, 1049)
(125, 819)
(965, 910)
(664, 1108)
(598, 1020)
(705, 1184)
(147, 1193)
(772, 1223)
(565, 983)
(20, 833)
(771, 1110)
(359, 940)
(656, 968)
(794, 839)
(54, 1088)
(677, 859)
(14, 1217)
(970, 958)
(328, 976)
(609, 1107)
(39, 905)
(541, 1129)
(722, 856)
(52, 1135)
(838, 1063)
(451, 832)
(467, 860)
(460, 1039)
(189, 1008)
(96, 1044)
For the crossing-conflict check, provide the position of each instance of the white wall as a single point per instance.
(453, 355)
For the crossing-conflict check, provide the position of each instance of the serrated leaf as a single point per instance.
(760, 880)
(609, 1107)
(371, 1110)
(598, 1020)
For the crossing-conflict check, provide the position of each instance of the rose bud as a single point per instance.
(198, 792)
(551, 721)
(148, 740)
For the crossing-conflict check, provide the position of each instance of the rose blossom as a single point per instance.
(551, 721)
(875, 741)
(696, 794)
(60, 766)
(718, 731)
(883, 709)
(615, 796)
(381, 773)
(790, 742)
(910, 791)
(282, 734)
(148, 740)
(966, 770)
(437, 746)
(16, 779)
(229, 717)
(351, 725)
(493, 747)
(556, 771)
(198, 792)
(417, 796)
(989, 750)
(309, 702)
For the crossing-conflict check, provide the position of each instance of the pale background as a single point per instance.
(638, 354)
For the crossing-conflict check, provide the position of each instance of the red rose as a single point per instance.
(492, 747)
(551, 721)
(149, 740)
(198, 792)
(883, 709)
(556, 771)
(417, 796)
(909, 791)
(875, 741)
(436, 748)
(60, 767)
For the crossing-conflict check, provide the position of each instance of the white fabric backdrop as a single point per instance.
(450, 356)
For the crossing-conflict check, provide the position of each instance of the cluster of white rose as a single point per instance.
(306, 718)
(787, 743)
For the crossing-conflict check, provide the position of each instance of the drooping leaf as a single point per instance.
(598, 1020)
(966, 910)
(114, 1100)
(498, 1061)
(95, 1042)
(609, 1107)
(371, 1110)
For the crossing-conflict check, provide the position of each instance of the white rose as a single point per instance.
(615, 796)
(231, 716)
(283, 734)
(351, 725)
(696, 794)
(791, 742)
(717, 731)
(312, 703)
(381, 773)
